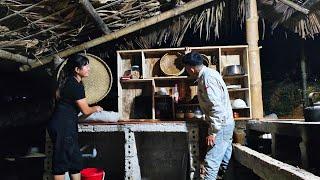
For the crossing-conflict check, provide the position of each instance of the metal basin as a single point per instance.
(233, 70)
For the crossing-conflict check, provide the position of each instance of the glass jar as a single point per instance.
(135, 72)
(179, 114)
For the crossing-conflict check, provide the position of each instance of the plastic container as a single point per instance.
(92, 174)
(197, 113)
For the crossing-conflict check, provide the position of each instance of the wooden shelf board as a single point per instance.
(240, 89)
(158, 79)
(182, 49)
(173, 78)
(241, 108)
(135, 80)
(27, 156)
(187, 104)
(162, 96)
(235, 76)
(242, 118)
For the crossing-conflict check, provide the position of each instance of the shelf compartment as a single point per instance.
(126, 60)
(164, 107)
(136, 100)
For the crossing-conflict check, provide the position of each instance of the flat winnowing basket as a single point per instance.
(99, 82)
(171, 64)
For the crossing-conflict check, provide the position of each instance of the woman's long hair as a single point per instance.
(75, 61)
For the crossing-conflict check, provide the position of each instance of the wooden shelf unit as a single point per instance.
(138, 97)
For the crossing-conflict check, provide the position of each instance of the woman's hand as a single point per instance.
(98, 108)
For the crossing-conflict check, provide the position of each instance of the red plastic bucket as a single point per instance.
(92, 174)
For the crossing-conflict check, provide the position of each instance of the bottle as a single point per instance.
(175, 93)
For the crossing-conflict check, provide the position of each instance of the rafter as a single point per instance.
(89, 9)
(15, 57)
(295, 6)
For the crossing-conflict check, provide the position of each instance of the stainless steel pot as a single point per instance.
(233, 70)
(312, 112)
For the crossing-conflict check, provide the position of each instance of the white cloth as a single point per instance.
(106, 116)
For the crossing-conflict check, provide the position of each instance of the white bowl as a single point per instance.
(239, 103)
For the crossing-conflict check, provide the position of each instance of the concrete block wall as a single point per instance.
(160, 155)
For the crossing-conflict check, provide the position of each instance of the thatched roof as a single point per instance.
(39, 29)
(36, 29)
(299, 16)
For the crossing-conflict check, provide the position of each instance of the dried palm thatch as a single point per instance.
(305, 23)
(206, 21)
(59, 24)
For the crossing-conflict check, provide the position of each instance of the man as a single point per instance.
(214, 101)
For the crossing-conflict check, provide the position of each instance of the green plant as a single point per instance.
(285, 97)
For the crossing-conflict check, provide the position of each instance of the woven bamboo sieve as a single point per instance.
(99, 83)
(171, 64)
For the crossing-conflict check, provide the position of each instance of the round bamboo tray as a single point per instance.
(171, 64)
(205, 59)
(99, 82)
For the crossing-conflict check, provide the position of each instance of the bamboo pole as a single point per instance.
(15, 57)
(87, 6)
(252, 33)
(295, 6)
(114, 35)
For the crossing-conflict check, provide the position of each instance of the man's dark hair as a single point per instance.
(192, 59)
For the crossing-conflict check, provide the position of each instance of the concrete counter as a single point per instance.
(130, 128)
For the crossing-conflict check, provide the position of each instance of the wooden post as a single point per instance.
(303, 75)
(87, 6)
(124, 31)
(254, 60)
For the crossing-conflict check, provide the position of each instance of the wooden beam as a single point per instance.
(15, 57)
(117, 34)
(87, 6)
(268, 168)
(283, 127)
(295, 6)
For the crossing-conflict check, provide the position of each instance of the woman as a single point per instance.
(63, 128)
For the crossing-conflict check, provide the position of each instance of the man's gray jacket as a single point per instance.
(214, 99)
